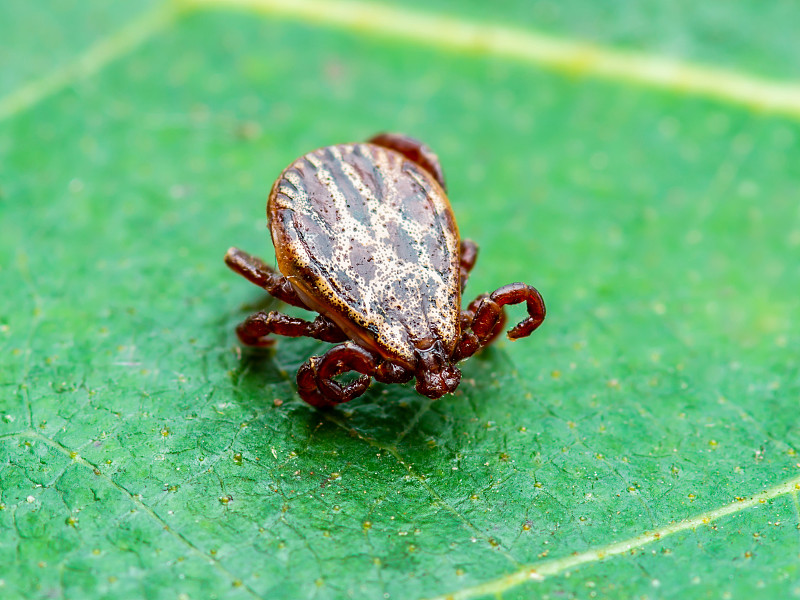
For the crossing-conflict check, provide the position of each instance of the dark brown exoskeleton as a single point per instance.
(364, 235)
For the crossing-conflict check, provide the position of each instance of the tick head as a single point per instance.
(436, 374)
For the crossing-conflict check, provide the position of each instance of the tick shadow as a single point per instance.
(387, 416)
(398, 418)
(260, 374)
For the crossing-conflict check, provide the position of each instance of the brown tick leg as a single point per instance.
(255, 329)
(315, 379)
(484, 318)
(257, 271)
(516, 293)
(469, 254)
(413, 150)
(470, 342)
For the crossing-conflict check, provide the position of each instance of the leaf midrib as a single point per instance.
(557, 53)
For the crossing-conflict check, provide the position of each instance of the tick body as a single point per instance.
(365, 236)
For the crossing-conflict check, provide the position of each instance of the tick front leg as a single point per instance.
(317, 386)
(413, 150)
(255, 329)
(483, 320)
(516, 293)
(257, 271)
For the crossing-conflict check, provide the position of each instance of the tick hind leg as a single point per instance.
(257, 271)
(255, 330)
(413, 150)
(317, 386)
(485, 317)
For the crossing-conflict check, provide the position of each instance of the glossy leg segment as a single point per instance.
(257, 271)
(469, 254)
(255, 329)
(413, 150)
(484, 318)
(315, 379)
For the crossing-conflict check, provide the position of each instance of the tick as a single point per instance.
(365, 236)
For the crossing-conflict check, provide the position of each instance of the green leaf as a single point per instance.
(643, 443)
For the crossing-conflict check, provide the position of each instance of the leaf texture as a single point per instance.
(144, 454)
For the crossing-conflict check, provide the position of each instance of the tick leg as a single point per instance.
(469, 254)
(413, 150)
(484, 318)
(257, 271)
(470, 342)
(255, 329)
(317, 386)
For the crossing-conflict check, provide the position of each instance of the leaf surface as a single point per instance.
(142, 453)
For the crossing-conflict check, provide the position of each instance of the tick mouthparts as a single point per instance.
(436, 375)
(435, 384)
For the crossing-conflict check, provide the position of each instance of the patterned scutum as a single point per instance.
(370, 237)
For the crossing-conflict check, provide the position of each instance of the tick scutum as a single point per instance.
(373, 235)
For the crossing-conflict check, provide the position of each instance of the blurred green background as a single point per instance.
(144, 454)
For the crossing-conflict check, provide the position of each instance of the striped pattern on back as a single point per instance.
(372, 236)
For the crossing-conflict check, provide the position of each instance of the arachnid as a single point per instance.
(364, 235)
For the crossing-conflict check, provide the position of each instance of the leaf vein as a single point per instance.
(560, 54)
(539, 571)
(89, 62)
(139, 504)
(428, 488)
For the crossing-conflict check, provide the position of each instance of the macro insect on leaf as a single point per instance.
(365, 236)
